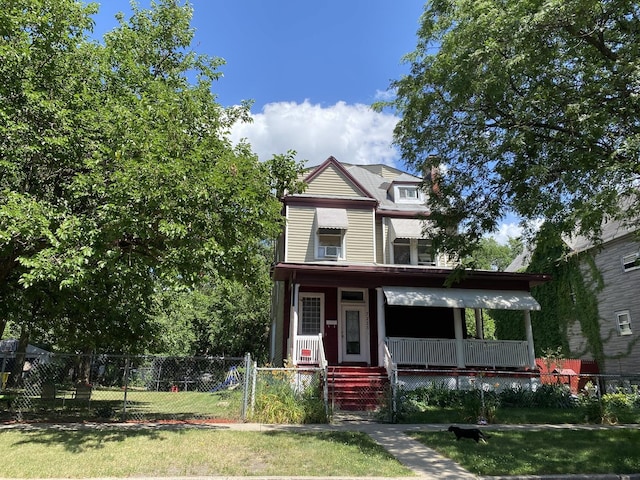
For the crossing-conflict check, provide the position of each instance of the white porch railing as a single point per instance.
(306, 350)
(440, 352)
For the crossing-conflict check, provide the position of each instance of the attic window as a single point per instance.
(631, 261)
(407, 194)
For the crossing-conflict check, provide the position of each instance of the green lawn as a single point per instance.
(146, 405)
(542, 452)
(61, 453)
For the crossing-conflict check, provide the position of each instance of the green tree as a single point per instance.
(117, 172)
(492, 255)
(531, 106)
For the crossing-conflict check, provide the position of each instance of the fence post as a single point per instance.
(247, 374)
(126, 389)
(253, 386)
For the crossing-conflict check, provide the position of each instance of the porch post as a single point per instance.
(529, 333)
(479, 324)
(293, 315)
(457, 324)
(382, 331)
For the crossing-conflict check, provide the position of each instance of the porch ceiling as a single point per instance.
(460, 298)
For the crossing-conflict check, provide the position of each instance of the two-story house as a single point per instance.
(357, 281)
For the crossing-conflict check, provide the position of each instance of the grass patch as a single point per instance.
(191, 452)
(107, 404)
(542, 452)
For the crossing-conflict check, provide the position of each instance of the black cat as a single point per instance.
(474, 433)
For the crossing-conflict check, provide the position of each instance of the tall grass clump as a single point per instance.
(285, 396)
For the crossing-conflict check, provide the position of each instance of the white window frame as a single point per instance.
(413, 252)
(623, 322)
(632, 259)
(306, 295)
(399, 197)
(321, 250)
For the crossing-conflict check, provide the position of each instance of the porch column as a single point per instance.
(293, 316)
(382, 330)
(529, 333)
(457, 325)
(479, 324)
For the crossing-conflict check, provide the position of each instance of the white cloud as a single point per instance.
(506, 231)
(350, 133)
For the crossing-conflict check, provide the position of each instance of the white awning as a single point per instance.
(332, 218)
(405, 228)
(460, 298)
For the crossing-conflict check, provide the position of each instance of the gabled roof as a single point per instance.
(331, 162)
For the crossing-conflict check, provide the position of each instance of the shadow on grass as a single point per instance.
(77, 441)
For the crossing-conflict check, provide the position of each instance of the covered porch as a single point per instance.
(458, 352)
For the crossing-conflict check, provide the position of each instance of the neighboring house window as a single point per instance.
(631, 261)
(413, 252)
(330, 244)
(624, 322)
(310, 322)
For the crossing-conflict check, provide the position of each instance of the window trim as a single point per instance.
(624, 327)
(413, 252)
(633, 259)
(301, 297)
(397, 196)
(341, 255)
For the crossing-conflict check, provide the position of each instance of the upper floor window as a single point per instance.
(402, 251)
(413, 252)
(631, 261)
(407, 194)
(624, 322)
(330, 244)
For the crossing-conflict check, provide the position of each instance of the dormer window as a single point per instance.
(407, 193)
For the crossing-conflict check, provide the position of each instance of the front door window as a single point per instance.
(353, 332)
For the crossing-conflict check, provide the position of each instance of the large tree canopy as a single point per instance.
(116, 168)
(531, 106)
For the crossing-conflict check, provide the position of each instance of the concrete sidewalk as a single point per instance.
(425, 462)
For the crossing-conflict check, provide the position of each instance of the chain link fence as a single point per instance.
(55, 387)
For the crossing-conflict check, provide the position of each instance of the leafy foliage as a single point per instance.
(530, 106)
(117, 172)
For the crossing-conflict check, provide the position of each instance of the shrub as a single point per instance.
(280, 399)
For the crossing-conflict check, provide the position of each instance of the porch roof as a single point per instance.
(460, 298)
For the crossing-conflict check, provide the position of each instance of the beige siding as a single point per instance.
(300, 234)
(360, 236)
(333, 183)
(380, 239)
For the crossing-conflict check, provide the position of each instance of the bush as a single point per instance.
(280, 399)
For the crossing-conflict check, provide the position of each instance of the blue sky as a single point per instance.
(312, 68)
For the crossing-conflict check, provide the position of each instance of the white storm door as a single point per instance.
(354, 334)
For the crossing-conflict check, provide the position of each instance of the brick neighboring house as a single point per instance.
(357, 283)
(617, 260)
